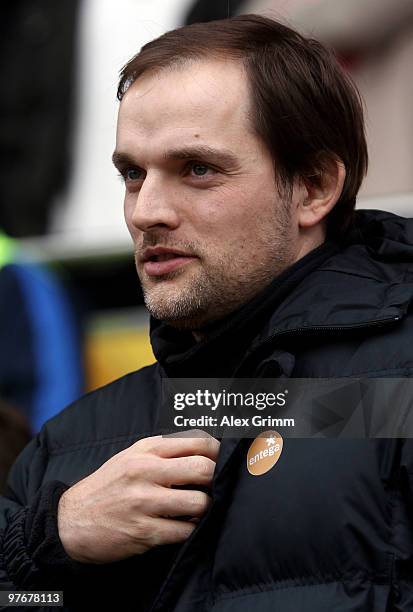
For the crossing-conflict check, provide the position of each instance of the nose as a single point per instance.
(152, 207)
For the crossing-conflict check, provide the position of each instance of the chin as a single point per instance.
(185, 314)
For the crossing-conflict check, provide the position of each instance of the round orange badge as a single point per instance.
(264, 452)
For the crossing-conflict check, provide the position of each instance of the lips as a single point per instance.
(163, 257)
(158, 261)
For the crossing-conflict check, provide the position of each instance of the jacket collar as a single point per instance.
(368, 282)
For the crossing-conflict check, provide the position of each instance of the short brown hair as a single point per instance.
(306, 109)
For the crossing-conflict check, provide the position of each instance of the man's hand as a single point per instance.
(129, 504)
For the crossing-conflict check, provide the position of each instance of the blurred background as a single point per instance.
(70, 305)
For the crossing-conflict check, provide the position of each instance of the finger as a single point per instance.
(177, 502)
(170, 531)
(173, 446)
(194, 469)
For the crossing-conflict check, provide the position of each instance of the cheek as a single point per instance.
(227, 211)
(230, 236)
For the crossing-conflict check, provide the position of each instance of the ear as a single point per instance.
(322, 193)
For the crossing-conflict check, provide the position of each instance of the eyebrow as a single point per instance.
(220, 156)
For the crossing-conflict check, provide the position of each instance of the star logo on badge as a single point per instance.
(270, 441)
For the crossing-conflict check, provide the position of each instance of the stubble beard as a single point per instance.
(189, 302)
(207, 294)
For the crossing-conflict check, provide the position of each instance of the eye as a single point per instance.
(200, 169)
(133, 174)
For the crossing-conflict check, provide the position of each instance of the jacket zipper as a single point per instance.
(317, 328)
(332, 327)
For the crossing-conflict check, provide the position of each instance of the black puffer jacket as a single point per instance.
(330, 527)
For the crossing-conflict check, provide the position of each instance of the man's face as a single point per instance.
(209, 227)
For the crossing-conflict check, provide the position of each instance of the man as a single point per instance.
(242, 148)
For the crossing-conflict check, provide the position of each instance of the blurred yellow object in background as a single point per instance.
(113, 349)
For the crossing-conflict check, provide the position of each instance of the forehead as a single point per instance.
(203, 99)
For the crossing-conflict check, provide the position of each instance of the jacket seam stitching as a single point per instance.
(264, 587)
(356, 275)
